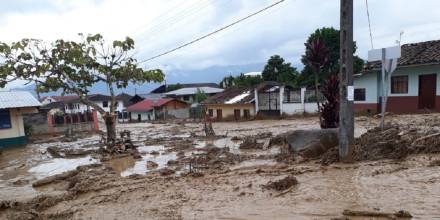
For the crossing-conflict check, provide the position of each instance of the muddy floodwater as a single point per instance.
(180, 174)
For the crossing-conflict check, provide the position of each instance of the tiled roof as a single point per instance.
(17, 99)
(422, 53)
(147, 105)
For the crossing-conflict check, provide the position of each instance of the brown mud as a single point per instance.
(181, 175)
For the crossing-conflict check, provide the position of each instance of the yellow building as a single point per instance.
(12, 107)
(231, 104)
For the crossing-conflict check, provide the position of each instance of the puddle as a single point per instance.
(127, 166)
(59, 165)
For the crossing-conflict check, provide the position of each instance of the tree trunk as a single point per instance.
(110, 125)
(317, 94)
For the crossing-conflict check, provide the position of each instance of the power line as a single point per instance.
(212, 33)
(369, 24)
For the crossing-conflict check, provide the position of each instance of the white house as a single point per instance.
(12, 107)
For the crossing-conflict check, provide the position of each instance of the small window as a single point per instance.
(5, 119)
(210, 112)
(359, 94)
(105, 104)
(399, 84)
(116, 104)
(186, 98)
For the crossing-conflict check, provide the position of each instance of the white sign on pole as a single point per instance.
(350, 93)
(390, 53)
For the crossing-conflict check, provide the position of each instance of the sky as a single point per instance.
(160, 25)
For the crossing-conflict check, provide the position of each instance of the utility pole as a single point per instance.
(346, 89)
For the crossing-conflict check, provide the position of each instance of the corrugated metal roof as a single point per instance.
(17, 99)
(192, 91)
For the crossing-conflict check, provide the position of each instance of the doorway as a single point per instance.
(219, 114)
(427, 91)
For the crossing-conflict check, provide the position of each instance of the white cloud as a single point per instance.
(158, 25)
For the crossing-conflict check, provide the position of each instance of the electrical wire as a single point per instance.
(212, 33)
(369, 24)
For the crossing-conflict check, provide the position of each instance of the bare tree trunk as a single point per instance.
(110, 126)
(317, 93)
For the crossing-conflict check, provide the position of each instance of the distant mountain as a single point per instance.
(212, 74)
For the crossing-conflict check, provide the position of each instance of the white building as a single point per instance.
(12, 107)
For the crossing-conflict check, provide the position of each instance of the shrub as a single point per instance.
(330, 108)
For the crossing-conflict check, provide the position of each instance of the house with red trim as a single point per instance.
(153, 109)
(414, 86)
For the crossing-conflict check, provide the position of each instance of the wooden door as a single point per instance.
(237, 114)
(219, 114)
(427, 91)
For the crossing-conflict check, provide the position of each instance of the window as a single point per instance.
(359, 94)
(399, 84)
(116, 104)
(210, 112)
(186, 98)
(5, 119)
(105, 104)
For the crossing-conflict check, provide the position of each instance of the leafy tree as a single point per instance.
(240, 80)
(74, 67)
(173, 87)
(330, 37)
(200, 96)
(278, 70)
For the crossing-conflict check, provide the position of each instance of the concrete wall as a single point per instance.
(82, 108)
(397, 103)
(228, 110)
(144, 116)
(17, 126)
(179, 113)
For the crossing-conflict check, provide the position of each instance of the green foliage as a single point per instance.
(173, 87)
(278, 70)
(200, 96)
(330, 37)
(240, 81)
(74, 66)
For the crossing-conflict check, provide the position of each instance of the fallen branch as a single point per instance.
(424, 138)
(399, 214)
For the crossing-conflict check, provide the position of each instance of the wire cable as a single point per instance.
(212, 33)
(369, 24)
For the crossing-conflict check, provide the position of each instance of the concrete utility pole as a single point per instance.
(346, 89)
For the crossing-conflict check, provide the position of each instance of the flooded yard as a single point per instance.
(180, 174)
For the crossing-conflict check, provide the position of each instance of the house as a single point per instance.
(267, 98)
(233, 103)
(12, 107)
(189, 94)
(414, 85)
(139, 97)
(153, 109)
(52, 99)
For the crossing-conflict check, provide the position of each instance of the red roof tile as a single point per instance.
(147, 105)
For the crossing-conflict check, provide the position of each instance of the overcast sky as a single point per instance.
(159, 25)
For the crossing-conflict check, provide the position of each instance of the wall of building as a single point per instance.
(144, 116)
(397, 103)
(228, 110)
(15, 134)
(80, 107)
(299, 108)
(179, 113)
(269, 101)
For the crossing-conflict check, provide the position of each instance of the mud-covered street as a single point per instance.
(178, 173)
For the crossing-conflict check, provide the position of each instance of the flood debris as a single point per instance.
(282, 184)
(399, 214)
(250, 143)
(392, 142)
(434, 163)
(55, 178)
(166, 171)
(151, 165)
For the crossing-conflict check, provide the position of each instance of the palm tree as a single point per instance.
(316, 56)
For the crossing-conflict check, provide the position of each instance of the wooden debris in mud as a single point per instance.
(282, 184)
(399, 214)
(55, 178)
